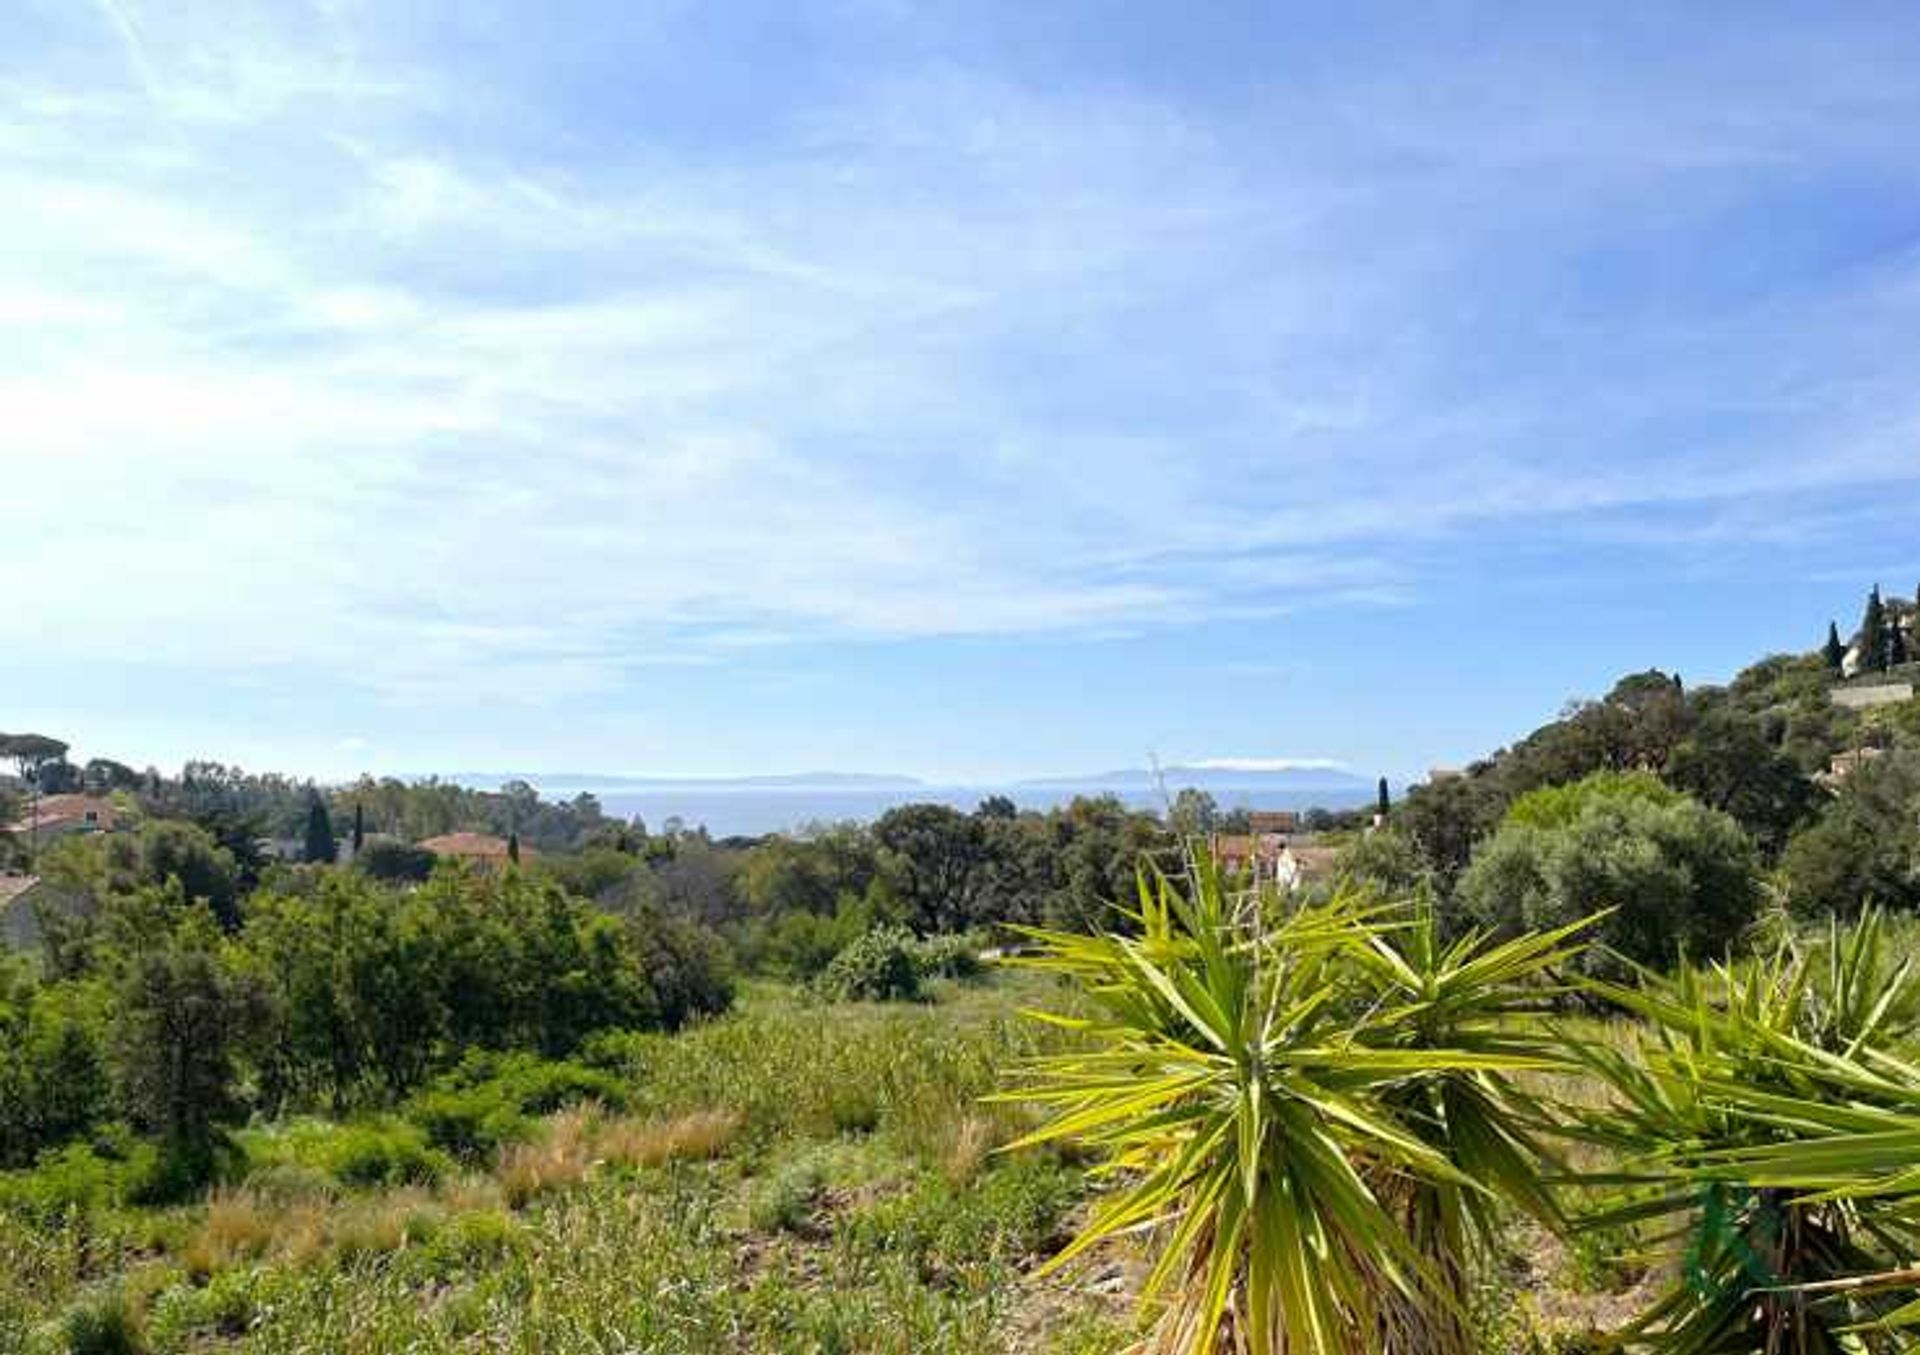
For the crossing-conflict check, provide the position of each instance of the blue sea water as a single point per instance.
(750, 812)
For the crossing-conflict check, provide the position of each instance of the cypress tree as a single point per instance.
(1386, 799)
(513, 848)
(1834, 653)
(359, 827)
(1896, 643)
(1873, 634)
(320, 845)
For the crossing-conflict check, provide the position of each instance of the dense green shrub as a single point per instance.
(361, 1153)
(53, 1062)
(948, 957)
(489, 1098)
(877, 967)
(381, 1154)
(1678, 877)
(395, 862)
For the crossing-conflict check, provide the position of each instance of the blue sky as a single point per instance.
(970, 390)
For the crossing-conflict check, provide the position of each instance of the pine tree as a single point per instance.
(1834, 653)
(1873, 634)
(1386, 798)
(513, 848)
(320, 845)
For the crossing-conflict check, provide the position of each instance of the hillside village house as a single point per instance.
(1269, 855)
(481, 849)
(59, 816)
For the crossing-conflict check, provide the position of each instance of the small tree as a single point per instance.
(1385, 800)
(359, 827)
(177, 1027)
(513, 848)
(1193, 814)
(1834, 652)
(1896, 643)
(320, 845)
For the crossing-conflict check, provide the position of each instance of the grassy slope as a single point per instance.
(792, 1178)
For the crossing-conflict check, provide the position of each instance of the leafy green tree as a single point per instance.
(936, 857)
(1865, 849)
(809, 874)
(1098, 843)
(1193, 814)
(206, 871)
(1833, 652)
(53, 1081)
(1727, 763)
(1679, 878)
(1446, 818)
(180, 1021)
(1387, 862)
(31, 754)
(319, 845)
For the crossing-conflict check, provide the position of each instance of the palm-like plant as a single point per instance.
(1309, 1107)
(1774, 1115)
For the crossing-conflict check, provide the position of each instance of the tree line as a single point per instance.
(1694, 813)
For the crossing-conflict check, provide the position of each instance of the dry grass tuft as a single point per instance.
(239, 1227)
(698, 1136)
(974, 1137)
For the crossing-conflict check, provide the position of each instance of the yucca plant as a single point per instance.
(1772, 1120)
(1304, 1107)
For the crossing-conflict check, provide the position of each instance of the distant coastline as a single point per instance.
(752, 811)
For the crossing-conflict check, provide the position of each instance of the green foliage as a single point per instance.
(877, 967)
(1388, 861)
(490, 1099)
(1865, 850)
(1677, 877)
(53, 1062)
(1554, 807)
(163, 854)
(103, 1324)
(368, 1152)
(181, 1017)
(394, 862)
(1003, 1217)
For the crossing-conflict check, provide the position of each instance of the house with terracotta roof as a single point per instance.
(1272, 858)
(482, 849)
(58, 816)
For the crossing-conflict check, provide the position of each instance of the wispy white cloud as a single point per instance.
(329, 372)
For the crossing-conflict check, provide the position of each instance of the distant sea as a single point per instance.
(754, 811)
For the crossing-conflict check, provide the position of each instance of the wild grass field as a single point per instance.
(792, 1177)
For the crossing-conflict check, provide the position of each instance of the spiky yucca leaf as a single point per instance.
(1305, 1106)
(1774, 1110)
